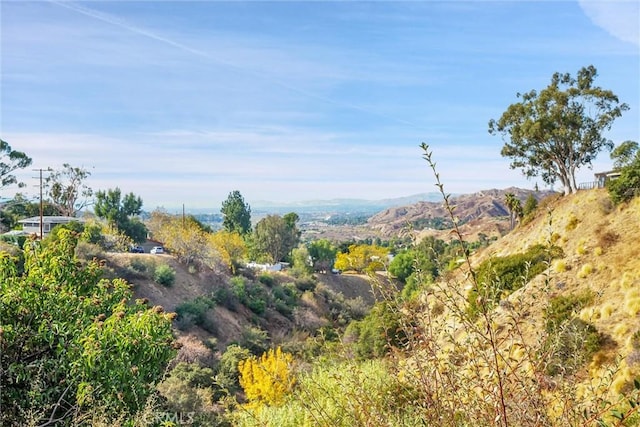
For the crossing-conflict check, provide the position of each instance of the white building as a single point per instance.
(32, 225)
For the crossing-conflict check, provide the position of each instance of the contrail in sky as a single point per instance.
(110, 19)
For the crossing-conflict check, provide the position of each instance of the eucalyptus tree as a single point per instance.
(554, 132)
(67, 189)
(10, 161)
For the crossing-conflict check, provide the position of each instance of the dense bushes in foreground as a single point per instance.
(72, 343)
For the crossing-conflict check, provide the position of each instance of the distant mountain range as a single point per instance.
(342, 205)
(479, 210)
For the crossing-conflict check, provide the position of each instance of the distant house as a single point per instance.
(278, 266)
(32, 225)
(601, 180)
(603, 177)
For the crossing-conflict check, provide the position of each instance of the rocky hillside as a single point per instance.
(481, 212)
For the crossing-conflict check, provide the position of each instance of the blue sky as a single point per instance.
(183, 102)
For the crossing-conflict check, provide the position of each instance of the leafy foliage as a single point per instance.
(189, 388)
(193, 311)
(164, 275)
(627, 185)
(301, 261)
(10, 161)
(342, 394)
(268, 379)
(228, 373)
(380, 330)
(249, 294)
(230, 246)
(423, 263)
(570, 346)
(530, 205)
(71, 341)
(276, 236)
(499, 276)
(323, 254)
(118, 210)
(555, 131)
(67, 189)
(402, 265)
(362, 258)
(186, 238)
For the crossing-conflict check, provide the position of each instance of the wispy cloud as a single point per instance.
(620, 18)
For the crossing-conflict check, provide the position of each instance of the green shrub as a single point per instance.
(530, 206)
(381, 329)
(570, 346)
(342, 394)
(285, 298)
(225, 297)
(227, 370)
(141, 265)
(267, 279)
(237, 286)
(70, 338)
(498, 276)
(570, 341)
(191, 389)
(194, 311)
(255, 340)
(251, 295)
(627, 185)
(564, 307)
(257, 305)
(306, 284)
(164, 275)
(92, 233)
(17, 241)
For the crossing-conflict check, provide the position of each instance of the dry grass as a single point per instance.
(602, 260)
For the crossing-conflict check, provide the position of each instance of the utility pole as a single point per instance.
(41, 204)
(41, 207)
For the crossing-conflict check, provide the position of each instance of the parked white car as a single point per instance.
(157, 250)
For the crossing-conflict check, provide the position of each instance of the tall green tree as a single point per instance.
(554, 132)
(118, 211)
(10, 161)
(237, 214)
(67, 189)
(275, 237)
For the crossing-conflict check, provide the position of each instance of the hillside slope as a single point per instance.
(601, 246)
(566, 345)
(231, 321)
